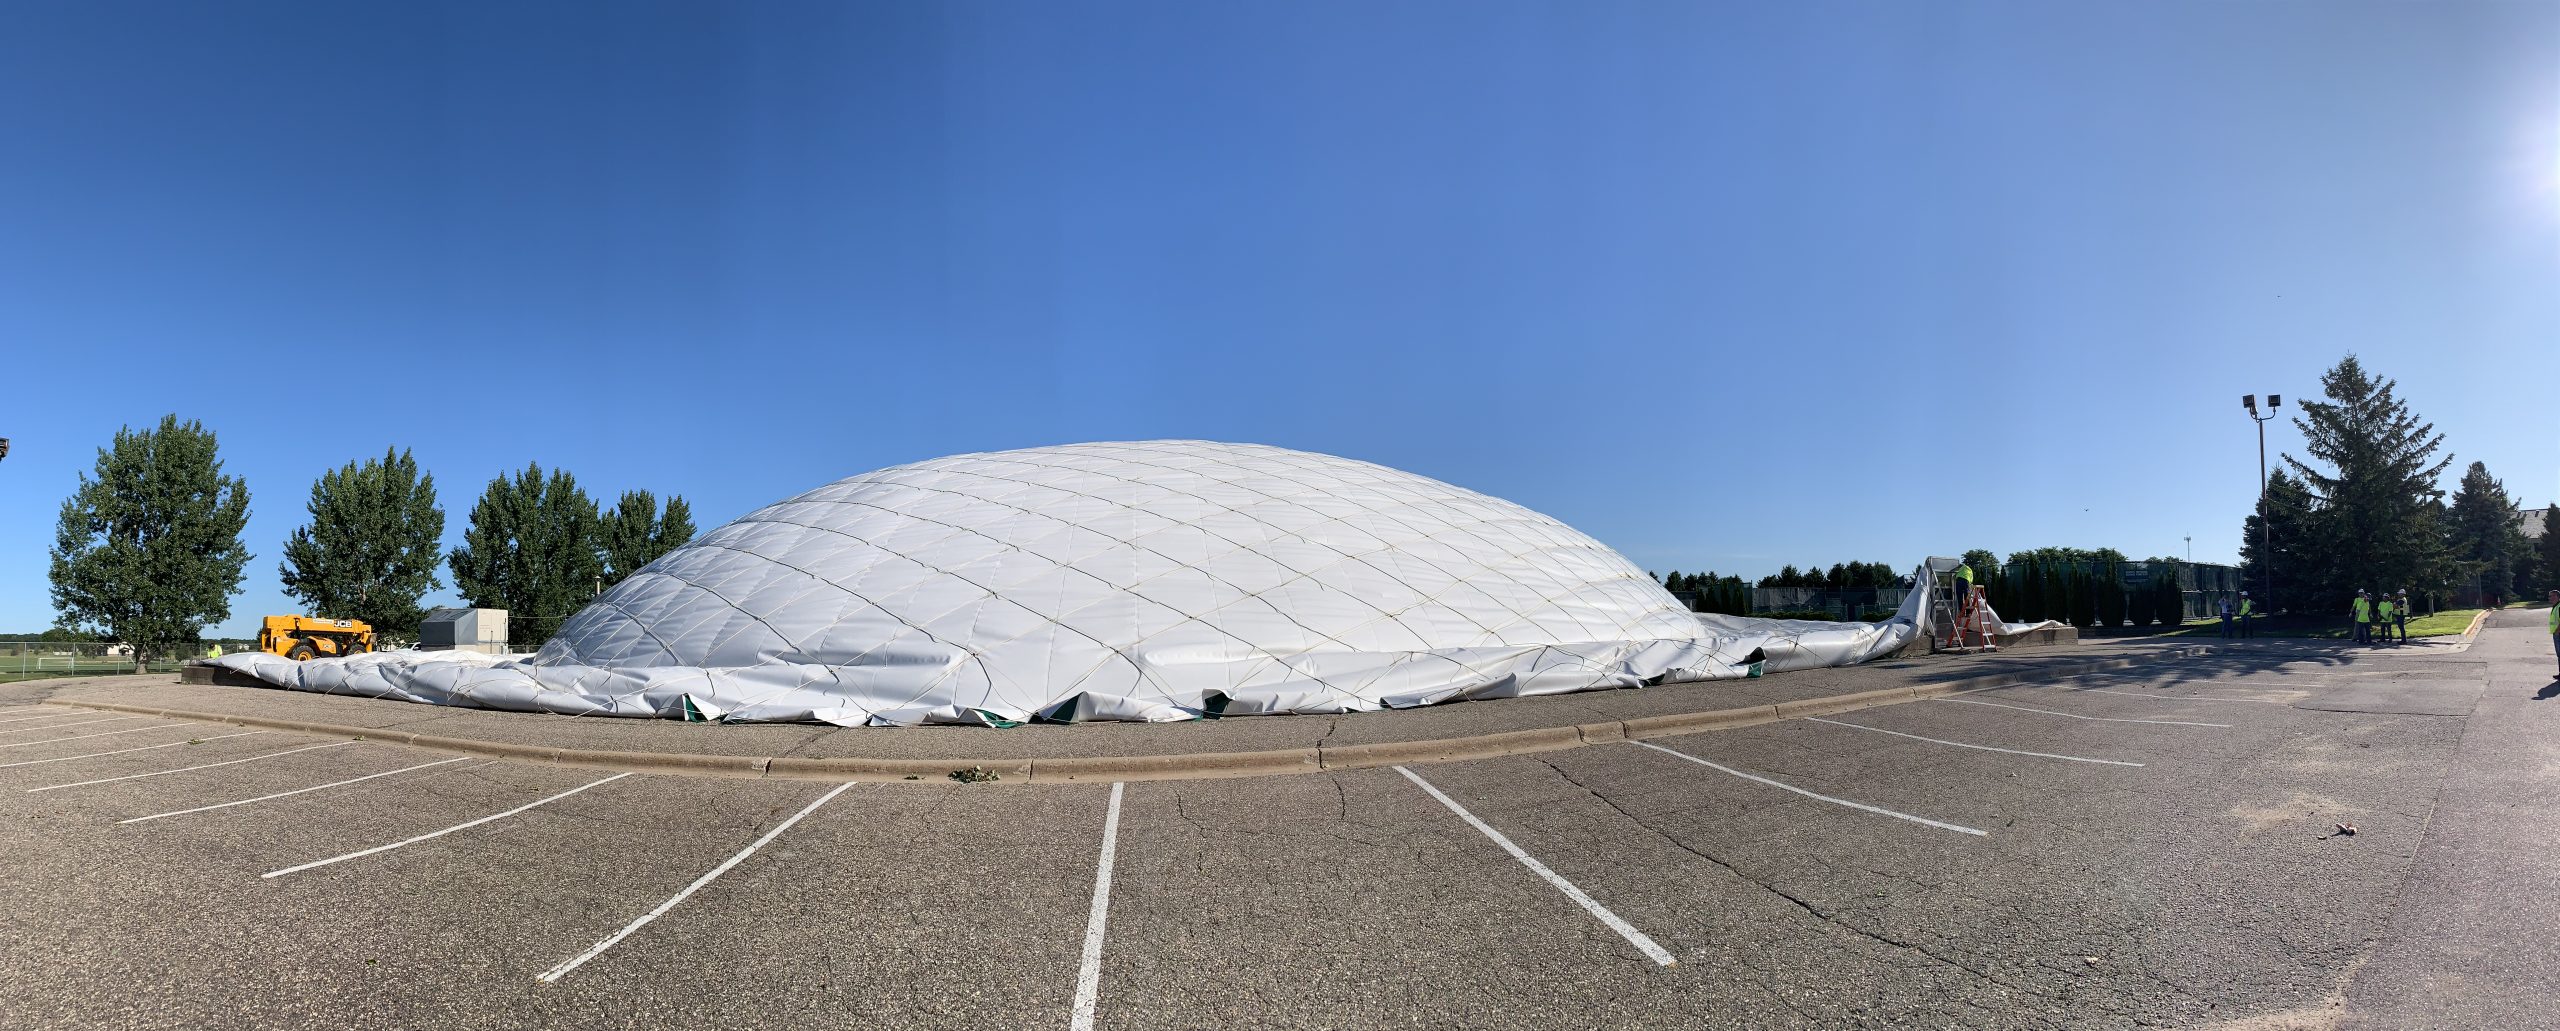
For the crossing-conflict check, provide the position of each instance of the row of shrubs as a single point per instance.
(1707, 592)
(2086, 594)
(1866, 615)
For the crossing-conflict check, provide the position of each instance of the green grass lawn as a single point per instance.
(2441, 624)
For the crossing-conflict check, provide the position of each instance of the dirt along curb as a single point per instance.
(2471, 633)
(1193, 766)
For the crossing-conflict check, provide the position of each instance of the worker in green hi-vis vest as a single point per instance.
(2382, 616)
(2554, 618)
(2362, 612)
(2248, 612)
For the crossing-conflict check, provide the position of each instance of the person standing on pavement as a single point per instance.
(2553, 617)
(2383, 616)
(2225, 611)
(2403, 610)
(2248, 613)
(2362, 612)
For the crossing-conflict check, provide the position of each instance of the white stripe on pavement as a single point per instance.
(296, 791)
(121, 751)
(2177, 697)
(187, 769)
(1960, 744)
(1089, 973)
(46, 716)
(102, 733)
(574, 962)
(1860, 806)
(1634, 937)
(2077, 716)
(438, 834)
(67, 726)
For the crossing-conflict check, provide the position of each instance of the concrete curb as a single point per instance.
(2478, 619)
(1191, 766)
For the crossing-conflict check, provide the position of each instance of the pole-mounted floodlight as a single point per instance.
(2266, 533)
(4, 447)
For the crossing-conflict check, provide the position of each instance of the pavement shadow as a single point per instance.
(2549, 691)
(2236, 660)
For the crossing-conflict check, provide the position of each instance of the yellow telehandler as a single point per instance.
(310, 637)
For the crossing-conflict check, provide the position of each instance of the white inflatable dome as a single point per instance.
(1157, 580)
(1113, 578)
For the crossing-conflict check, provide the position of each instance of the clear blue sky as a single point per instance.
(1724, 285)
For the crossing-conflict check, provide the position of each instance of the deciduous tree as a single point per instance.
(373, 545)
(531, 549)
(634, 533)
(147, 552)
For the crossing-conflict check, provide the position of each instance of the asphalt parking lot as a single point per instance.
(2153, 848)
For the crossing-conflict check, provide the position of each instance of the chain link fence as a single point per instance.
(29, 660)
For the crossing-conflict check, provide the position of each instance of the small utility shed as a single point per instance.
(464, 630)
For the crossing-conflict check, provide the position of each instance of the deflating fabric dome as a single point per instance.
(1133, 580)
(1153, 581)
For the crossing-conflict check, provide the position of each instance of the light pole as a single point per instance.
(2266, 533)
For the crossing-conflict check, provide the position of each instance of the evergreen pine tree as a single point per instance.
(2300, 567)
(2378, 493)
(2548, 559)
(2482, 533)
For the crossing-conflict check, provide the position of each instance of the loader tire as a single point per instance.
(302, 652)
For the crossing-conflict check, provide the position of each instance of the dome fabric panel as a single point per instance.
(1153, 580)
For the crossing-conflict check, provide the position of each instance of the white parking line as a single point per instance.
(1089, 973)
(188, 769)
(438, 834)
(67, 726)
(1634, 937)
(2169, 697)
(1960, 744)
(296, 791)
(574, 962)
(46, 716)
(2077, 716)
(102, 733)
(1860, 806)
(121, 751)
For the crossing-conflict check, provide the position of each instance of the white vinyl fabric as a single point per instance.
(1156, 580)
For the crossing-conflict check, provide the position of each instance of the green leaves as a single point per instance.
(532, 550)
(634, 534)
(148, 551)
(372, 548)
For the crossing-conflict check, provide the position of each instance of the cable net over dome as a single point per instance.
(1150, 581)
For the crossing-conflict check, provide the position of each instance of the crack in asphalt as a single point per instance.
(1808, 907)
